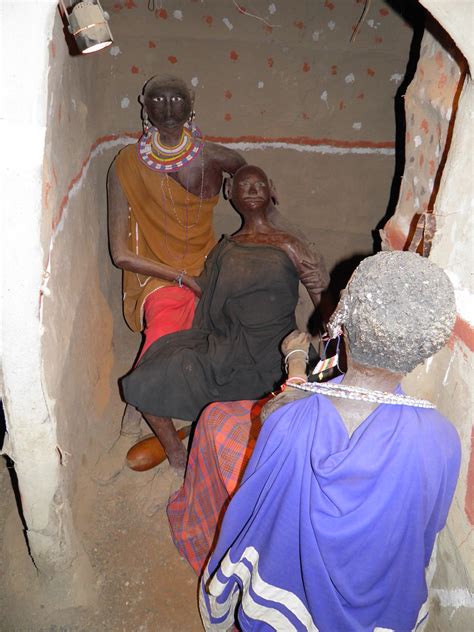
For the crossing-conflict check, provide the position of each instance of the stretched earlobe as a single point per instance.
(227, 189)
(273, 193)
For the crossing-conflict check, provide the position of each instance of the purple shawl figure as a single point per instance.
(332, 529)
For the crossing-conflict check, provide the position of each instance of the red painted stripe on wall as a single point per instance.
(298, 140)
(302, 140)
(464, 331)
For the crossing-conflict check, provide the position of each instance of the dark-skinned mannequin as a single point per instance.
(253, 195)
(248, 305)
(357, 476)
(167, 104)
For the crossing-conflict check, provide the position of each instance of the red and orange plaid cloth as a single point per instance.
(222, 445)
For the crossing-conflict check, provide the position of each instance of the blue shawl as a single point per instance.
(333, 533)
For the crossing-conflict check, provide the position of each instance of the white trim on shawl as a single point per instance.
(273, 617)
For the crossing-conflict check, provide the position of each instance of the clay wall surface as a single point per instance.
(430, 105)
(439, 178)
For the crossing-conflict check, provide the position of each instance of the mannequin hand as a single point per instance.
(190, 282)
(295, 340)
(288, 396)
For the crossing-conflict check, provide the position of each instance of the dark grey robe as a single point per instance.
(250, 292)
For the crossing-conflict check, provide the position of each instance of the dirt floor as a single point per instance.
(140, 581)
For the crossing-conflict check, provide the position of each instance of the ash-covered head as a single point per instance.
(398, 309)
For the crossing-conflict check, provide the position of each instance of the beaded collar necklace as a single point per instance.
(363, 394)
(159, 157)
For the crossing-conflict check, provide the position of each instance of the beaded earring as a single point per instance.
(334, 332)
(325, 364)
(145, 122)
(191, 124)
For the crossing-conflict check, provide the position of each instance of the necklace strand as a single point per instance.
(185, 226)
(363, 394)
(158, 157)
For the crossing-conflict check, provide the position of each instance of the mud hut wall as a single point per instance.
(31, 440)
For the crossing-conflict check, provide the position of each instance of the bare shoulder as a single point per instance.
(228, 159)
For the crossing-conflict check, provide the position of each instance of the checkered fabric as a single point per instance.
(223, 443)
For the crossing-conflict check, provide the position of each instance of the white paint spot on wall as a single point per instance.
(228, 23)
(316, 35)
(437, 151)
(415, 180)
(124, 103)
(178, 15)
(430, 184)
(357, 125)
(260, 84)
(324, 96)
(350, 78)
(115, 50)
(194, 82)
(417, 140)
(417, 203)
(74, 104)
(449, 113)
(271, 8)
(396, 77)
(331, 25)
(373, 24)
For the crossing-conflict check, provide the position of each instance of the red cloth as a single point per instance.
(166, 310)
(222, 445)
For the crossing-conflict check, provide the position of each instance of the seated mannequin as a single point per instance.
(334, 523)
(249, 295)
(162, 192)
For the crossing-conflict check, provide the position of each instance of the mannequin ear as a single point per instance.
(273, 193)
(227, 189)
(141, 100)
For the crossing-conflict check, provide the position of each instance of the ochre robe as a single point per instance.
(167, 224)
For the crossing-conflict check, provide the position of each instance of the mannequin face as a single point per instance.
(251, 189)
(168, 104)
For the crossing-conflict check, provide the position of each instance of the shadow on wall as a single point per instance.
(13, 477)
(415, 14)
(3, 425)
(339, 275)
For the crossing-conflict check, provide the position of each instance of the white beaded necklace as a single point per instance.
(363, 394)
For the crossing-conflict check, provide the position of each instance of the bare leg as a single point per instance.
(163, 428)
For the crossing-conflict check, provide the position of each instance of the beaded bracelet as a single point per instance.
(179, 278)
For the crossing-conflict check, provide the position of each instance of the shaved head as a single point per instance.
(164, 81)
(398, 309)
(246, 170)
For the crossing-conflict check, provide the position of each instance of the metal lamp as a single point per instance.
(88, 23)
